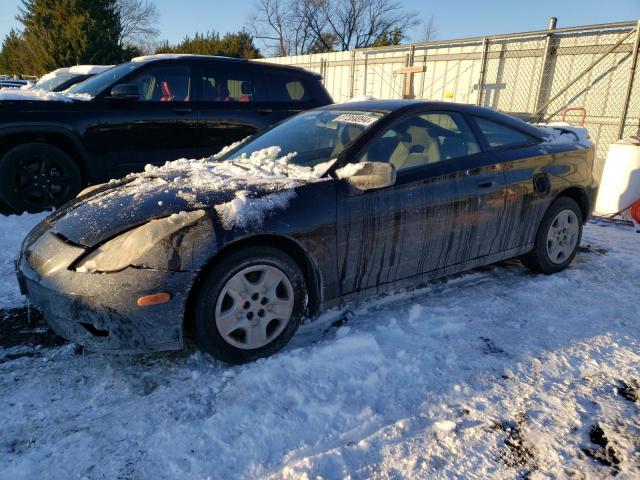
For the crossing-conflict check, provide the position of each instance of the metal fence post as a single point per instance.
(352, 73)
(483, 69)
(546, 69)
(632, 74)
(364, 82)
(323, 71)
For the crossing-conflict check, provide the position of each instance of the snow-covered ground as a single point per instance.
(497, 373)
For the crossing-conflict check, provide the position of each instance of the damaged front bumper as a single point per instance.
(100, 311)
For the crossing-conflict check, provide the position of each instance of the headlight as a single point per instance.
(90, 189)
(122, 251)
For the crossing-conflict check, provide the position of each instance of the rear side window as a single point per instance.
(287, 89)
(499, 135)
(226, 85)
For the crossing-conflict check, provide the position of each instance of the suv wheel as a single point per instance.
(37, 176)
(249, 305)
(558, 238)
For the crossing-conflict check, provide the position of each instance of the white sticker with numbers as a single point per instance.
(364, 120)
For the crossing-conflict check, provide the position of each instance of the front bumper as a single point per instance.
(100, 311)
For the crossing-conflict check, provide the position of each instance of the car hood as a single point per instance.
(226, 190)
(39, 97)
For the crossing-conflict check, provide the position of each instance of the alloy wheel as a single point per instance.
(562, 236)
(254, 306)
(41, 182)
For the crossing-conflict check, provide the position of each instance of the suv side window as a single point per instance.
(499, 135)
(423, 139)
(164, 84)
(288, 89)
(225, 84)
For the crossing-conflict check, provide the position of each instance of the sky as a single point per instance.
(453, 19)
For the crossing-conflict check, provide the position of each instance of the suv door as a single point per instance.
(435, 216)
(290, 93)
(231, 103)
(160, 126)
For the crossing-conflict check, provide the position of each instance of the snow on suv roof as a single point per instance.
(168, 56)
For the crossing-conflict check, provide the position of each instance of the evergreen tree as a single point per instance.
(239, 45)
(71, 32)
(13, 56)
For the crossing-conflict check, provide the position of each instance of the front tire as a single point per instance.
(37, 176)
(249, 305)
(557, 239)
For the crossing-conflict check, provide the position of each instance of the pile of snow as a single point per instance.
(244, 211)
(562, 132)
(77, 70)
(497, 373)
(41, 95)
(14, 228)
(89, 69)
(266, 169)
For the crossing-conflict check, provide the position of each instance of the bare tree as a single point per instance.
(138, 19)
(294, 27)
(430, 30)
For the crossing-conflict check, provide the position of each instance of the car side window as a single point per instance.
(499, 135)
(287, 89)
(226, 85)
(164, 84)
(423, 139)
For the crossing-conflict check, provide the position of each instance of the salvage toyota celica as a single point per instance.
(341, 202)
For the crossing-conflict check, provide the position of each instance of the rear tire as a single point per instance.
(557, 239)
(249, 305)
(38, 176)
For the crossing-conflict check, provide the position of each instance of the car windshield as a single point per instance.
(315, 136)
(96, 84)
(53, 82)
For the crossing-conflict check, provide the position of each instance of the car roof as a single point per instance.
(401, 106)
(218, 58)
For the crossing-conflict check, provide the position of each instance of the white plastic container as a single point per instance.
(620, 184)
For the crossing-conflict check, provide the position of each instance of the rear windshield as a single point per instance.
(315, 136)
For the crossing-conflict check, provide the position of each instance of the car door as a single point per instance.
(160, 126)
(525, 165)
(446, 199)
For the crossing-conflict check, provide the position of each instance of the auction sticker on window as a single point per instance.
(364, 120)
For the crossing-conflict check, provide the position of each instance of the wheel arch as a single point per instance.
(56, 137)
(287, 245)
(582, 199)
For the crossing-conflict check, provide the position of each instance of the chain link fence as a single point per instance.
(579, 74)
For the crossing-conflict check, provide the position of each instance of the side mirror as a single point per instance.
(368, 175)
(125, 91)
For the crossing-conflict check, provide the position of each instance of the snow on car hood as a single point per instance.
(241, 192)
(17, 94)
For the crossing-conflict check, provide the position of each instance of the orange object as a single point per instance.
(582, 110)
(635, 211)
(154, 299)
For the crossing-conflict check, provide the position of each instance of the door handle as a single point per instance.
(264, 110)
(485, 183)
(182, 111)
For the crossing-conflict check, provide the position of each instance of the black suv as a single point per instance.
(150, 110)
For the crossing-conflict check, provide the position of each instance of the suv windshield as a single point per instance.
(96, 84)
(315, 136)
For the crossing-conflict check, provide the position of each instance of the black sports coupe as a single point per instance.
(339, 202)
